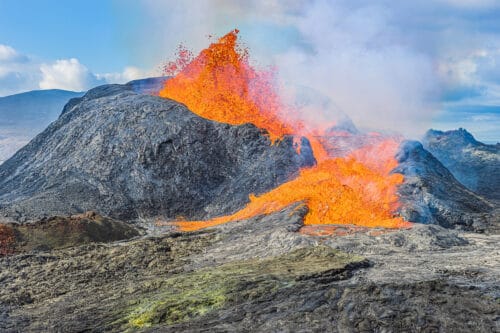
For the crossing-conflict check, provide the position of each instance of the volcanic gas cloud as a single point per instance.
(359, 188)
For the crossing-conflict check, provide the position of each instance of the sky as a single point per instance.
(398, 66)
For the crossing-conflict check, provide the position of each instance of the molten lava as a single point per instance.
(219, 84)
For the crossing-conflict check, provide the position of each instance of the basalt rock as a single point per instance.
(473, 163)
(258, 275)
(431, 195)
(150, 85)
(127, 156)
(61, 232)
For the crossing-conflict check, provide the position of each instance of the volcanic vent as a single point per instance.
(221, 85)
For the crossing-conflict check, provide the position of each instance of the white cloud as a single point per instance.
(20, 73)
(7, 52)
(458, 72)
(363, 64)
(17, 71)
(67, 74)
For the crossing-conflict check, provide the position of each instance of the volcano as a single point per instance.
(128, 155)
(230, 152)
(186, 203)
(473, 163)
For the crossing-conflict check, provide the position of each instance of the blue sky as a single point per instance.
(50, 30)
(394, 65)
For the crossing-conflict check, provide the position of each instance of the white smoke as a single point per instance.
(364, 66)
(351, 55)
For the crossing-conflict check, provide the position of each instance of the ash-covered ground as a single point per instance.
(259, 275)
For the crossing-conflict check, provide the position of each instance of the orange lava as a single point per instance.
(337, 191)
(359, 189)
(219, 84)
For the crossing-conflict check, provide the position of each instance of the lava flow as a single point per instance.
(220, 84)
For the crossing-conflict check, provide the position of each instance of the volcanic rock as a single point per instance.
(127, 155)
(258, 275)
(150, 85)
(430, 194)
(62, 232)
(474, 164)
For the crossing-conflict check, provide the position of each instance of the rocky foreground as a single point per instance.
(261, 275)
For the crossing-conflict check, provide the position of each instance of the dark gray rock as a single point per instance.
(62, 232)
(474, 164)
(430, 194)
(128, 156)
(258, 276)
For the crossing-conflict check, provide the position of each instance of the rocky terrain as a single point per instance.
(61, 232)
(259, 275)
(81, 249)
(430, 193)
(149, 86)
(473, 163)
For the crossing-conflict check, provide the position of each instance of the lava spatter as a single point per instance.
(221, 85)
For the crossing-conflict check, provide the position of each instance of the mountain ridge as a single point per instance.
(473, 163)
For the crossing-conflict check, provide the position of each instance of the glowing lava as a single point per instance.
(219, 84)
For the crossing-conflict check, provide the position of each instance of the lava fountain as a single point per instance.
(221, 85)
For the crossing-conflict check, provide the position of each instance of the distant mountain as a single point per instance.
(474, 164)
(24, 115)
(33, 111)
(431, 195)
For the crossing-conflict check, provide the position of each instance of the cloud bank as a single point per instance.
(20, 72)
(67, 74)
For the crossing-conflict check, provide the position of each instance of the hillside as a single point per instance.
(473, 163)
(129, 155)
